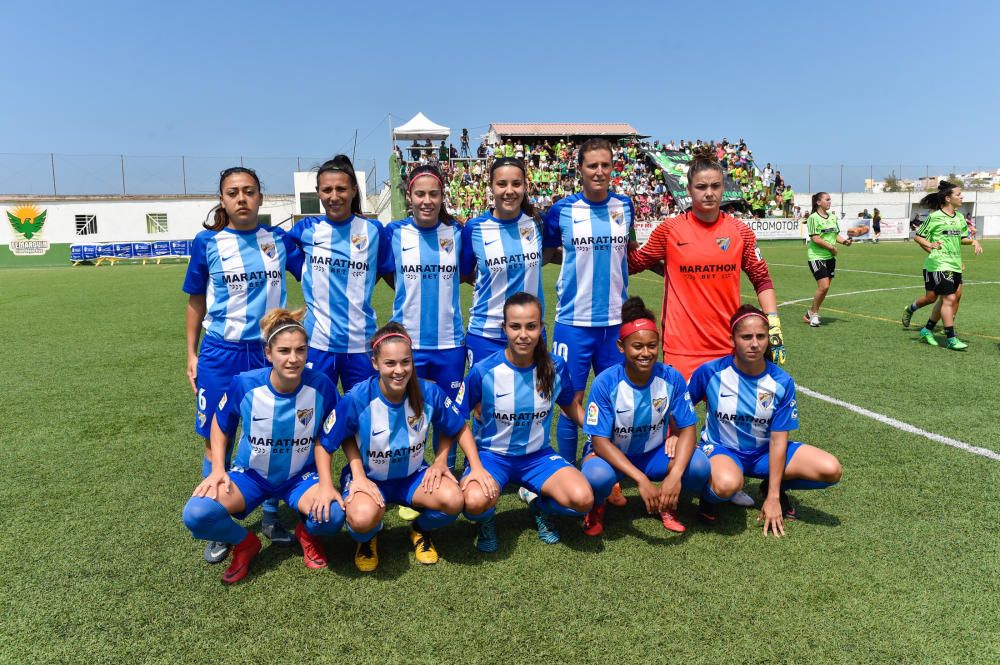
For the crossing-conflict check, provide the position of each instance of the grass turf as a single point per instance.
(900, 562)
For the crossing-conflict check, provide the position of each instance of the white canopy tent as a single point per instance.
(420, 128)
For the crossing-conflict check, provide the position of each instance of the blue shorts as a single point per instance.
(445, 367)
(653, 464)
(531, 470)
(592, 347)
(399, 491)
(256, 490)
(218, 362)
(752, 463)
(480, 348)
(347, 368)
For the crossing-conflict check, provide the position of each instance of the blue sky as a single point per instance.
(887, 83)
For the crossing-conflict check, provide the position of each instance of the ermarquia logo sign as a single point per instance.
(27, 222)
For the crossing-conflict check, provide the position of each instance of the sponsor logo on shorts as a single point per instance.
(592, 414)
(455, 385)
(222, 402)
(202, 419)
(707, 448)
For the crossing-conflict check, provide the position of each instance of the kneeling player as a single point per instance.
(280, 409)
(511, 395)
(382, 423)
(628, 413)
(750, 408)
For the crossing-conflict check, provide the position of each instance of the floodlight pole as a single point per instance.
(52, 161)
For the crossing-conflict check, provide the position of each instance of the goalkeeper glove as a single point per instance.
(777, 350)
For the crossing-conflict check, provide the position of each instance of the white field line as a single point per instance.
(900, 425)
(854, 293)
(867, 272)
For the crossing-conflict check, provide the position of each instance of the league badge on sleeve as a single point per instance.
(460, 397)
(592, 414)
(329, 422)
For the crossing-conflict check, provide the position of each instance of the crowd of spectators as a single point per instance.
(552, 173)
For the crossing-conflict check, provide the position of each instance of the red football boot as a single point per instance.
(593, 523)
(243, 554)
(313, 552)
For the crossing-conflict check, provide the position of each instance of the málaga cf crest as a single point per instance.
(304, 416)
(447, 244)
(360, 241)
(268, 248)
(723, 243)
(765, 398)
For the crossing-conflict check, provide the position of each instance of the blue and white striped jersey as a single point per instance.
(343, 262)
(278, 428)
(506, 257)
(425, 263)
(593, 282)
(742, 410)
(242, 274)
(635, 418)
(514, 418)
(391, 437)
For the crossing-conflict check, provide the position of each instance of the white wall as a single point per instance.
(121, 219)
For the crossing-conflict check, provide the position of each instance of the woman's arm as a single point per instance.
(359, 480)
(770, 512)
(574, 410)
(209, 486)
(327, 493)
(670, 489)
(196, 309)
(477, 473)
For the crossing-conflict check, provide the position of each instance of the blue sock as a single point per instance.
(800, 484)
(270, 508)
(206, 467)
(335, 524)
(434, 519)
(550, 506)
(566, 439)
(710, 496)
(366, 536)
(601, 477)
(485, 515)
(209, 520)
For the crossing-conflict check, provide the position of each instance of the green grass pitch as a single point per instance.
(898, 563)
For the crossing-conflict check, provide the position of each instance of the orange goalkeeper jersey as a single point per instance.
(701, 288)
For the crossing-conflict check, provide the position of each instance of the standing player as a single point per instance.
(503, 253)
(280, 409)
(749, 410)
(824, 234)
(423, 262)
(592, 228)
(382, 424)
(628, 413)
(344, 255)
(941, 236)
(236, 274)
(510, 396)
(704, 251)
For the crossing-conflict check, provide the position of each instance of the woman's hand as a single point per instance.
(670, 446)
(365, 486)
(650, 495)
(433, 476)
(770, 512)
(670, 493)
(486, 482)
(210, 485)
(325, 496)
(192, 371)
(977, 247)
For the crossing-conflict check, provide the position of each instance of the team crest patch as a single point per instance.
(528, 233)
(447, 244)
(592, 414)
(359, 241)
(723, 243)
(416, 421)
(304, 416)
(707, 448)
(617, 216)
(329, 422)
(765, 398)
(269, 249)
(659, 402)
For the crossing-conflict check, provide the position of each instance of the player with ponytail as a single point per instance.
(280, 410)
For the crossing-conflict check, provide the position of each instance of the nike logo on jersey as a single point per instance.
(227, 258)
(406, 249)
(622, 410)
(319, 243)
(681, 244)
(374, 434)
(725, 394)
(503, 395)
(256, 419)
(487, 244)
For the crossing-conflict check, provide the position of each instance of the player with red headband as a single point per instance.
(704, 251)
(627, 415)
(749, 410)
